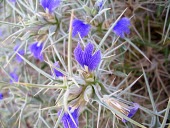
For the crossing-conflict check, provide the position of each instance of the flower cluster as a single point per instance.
(36, 50)
(87, 58)
(120, 29)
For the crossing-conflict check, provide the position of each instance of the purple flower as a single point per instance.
(127, 108)
(14, 77)
(14, 1)
(122, 27)
(87, 57)
(81, 28)
(56, 72)
(50, 5)
(68, 122)
(99, 3)
(36, 49)
(1, 32)
(132, 111)
(21, 52)
(1, 96)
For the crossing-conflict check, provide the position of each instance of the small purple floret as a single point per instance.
(68, 122)
(14, 1)
(36, 50)
(50, 5)
(56, 72)
(132, 111)
(1, 96)
(99, 3)
(14, 77)
(81, 28)
(1, 32)
(21, 52)
(122, 27)
(87, 57)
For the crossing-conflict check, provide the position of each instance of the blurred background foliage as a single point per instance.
(25, 22)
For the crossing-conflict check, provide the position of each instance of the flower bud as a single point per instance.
(88, 93)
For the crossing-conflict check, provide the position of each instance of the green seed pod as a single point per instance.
(88, 93)
(74, 92)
